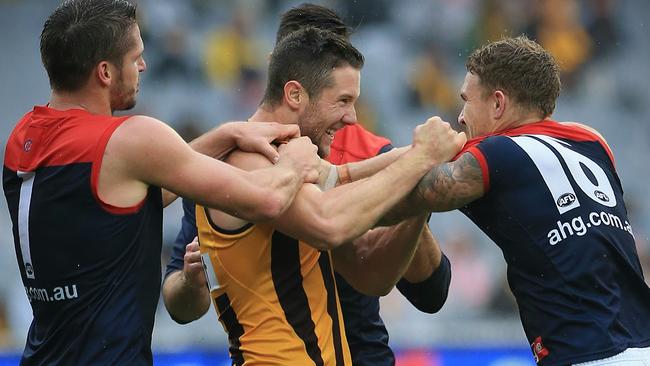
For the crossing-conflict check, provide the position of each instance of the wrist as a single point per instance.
(343, 174)
(231, 132)
(421, 159)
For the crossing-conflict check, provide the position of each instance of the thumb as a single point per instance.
(269, 152)
(289, 131)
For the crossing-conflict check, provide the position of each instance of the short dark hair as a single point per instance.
(308, 56)
(520, 67)
(311, 15)
(81, 33)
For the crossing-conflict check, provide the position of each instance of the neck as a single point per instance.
(82, 99)
(265, 113)
(518, 121)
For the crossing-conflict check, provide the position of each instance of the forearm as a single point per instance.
(375, 262)
(410, 206)
(333, 175)
(366, 168)
(277, 185)
(445, 187)
(351, 209)
(426, 258)
(430, 294)
(255, 196)
(217, 142)
(185, 303)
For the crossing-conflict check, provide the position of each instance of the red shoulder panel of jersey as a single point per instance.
(545, 127)
(49, 137)
(354, 143)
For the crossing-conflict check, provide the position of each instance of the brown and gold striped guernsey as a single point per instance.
(275, 296)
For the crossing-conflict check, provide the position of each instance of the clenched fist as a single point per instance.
(301, 154)
(436, 140)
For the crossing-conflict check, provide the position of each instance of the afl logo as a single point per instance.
(601, 196)
(566, 199)
(29, 269)
(28, 145)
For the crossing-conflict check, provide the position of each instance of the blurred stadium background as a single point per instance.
(206, 64)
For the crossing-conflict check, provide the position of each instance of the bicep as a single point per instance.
(452, 185)
(155, 154)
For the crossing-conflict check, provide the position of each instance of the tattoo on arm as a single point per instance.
(452, 185)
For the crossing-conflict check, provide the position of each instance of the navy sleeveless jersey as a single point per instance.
(554, 205)
(91, 271)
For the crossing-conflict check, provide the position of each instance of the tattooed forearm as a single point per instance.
(443, 188)
(452, 185)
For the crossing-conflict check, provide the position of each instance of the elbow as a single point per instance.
(271, 206)
(380, 290)
(326, 234)
(179, 320)
(339, 230)
(274, 208)
(371, 287)
(432, 307)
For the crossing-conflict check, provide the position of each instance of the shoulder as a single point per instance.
(143, 131)
(587, 128)
(247, 161)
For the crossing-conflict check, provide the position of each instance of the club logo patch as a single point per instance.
(539, 351)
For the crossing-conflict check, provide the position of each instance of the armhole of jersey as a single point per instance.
(386, 148)
(96, 168)
(221, 231)
(482, 162)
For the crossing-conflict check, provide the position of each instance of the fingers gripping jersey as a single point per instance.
(554, 205)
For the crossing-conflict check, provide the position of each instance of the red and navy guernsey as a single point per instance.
(91, 271)
(554, 205)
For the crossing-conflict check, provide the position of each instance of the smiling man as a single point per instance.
(83, 189)
(273, 284)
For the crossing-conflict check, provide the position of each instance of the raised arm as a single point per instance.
(144, 151)
(328, 219)
(334, 175)
(251, 137)
(444, 188)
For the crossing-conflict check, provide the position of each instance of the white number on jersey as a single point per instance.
(24, 203)
(556, 178)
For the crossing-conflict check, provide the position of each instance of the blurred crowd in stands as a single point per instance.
(206, 64)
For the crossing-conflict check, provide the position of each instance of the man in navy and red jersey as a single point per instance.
(425, 282)
(84, 194)
(548, 195)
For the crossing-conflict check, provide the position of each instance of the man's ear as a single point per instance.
(105, 73)
(294, 94)
(500, 103)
